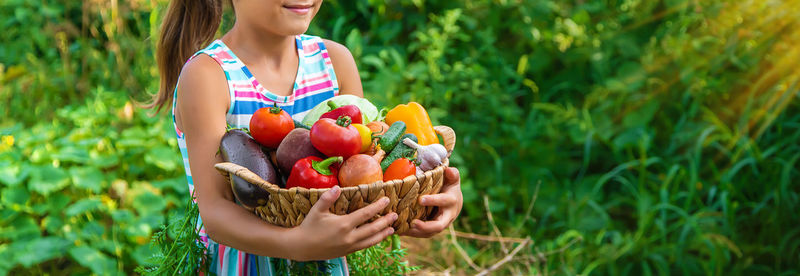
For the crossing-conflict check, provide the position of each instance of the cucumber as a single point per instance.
(298, 124)
(391, 137)
(400, 151)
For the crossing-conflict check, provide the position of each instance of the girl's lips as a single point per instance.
(299, 9)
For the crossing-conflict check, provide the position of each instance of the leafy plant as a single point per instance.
(178, 247)
(385, 258)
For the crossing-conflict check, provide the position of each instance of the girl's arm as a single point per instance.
(345, 67)
(201, 106)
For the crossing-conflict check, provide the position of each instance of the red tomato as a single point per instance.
(269, 125)
(399, 169)
(336, 137)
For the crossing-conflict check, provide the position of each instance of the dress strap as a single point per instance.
(317, 59)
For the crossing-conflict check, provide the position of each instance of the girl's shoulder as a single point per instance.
(200, 77)
(206, 62)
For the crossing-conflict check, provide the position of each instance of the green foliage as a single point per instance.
(385, 258)
(285, 267)
(664, 133)
(178, 247)
(79, 197)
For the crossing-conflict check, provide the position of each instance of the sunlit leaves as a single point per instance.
(47, 179)
(15, 196)
(88, 178)
(39, 250)
(83, 206)
(95, 260)
(148, 203)
(163, 157)
(10, 173)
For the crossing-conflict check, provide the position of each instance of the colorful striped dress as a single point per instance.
(316, 82)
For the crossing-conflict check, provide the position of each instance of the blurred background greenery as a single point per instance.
(653, 136)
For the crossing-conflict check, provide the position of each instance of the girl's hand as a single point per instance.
(323, 235)
(449, 201)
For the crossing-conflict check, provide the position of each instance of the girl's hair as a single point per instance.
(187, 27)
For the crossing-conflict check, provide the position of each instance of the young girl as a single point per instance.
(264, 59)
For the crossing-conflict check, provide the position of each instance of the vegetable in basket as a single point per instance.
(239, 148)
(360, 169)
(379, 155)
(298, 124)
(400, 151)
(430, 156)
(417, 122)
(337, 111)
(296, 146)
(378, 127)
(366, 137)
(399, 169)
(369, 112)
(269, 125)
(392, 136)
(313, 172)
(336, 137)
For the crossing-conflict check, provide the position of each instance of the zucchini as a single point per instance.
(400, 151)
(391, 137)
(298, 124)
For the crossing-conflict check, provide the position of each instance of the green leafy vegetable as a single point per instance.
(368, 111)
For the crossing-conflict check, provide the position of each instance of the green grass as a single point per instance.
(661, 136)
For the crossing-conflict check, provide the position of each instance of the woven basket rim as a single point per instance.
(227, 168)
(269, 187)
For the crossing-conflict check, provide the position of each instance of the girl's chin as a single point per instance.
(284, 25)
(298, 30)
(296, 27)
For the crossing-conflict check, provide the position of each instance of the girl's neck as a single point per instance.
(260, 48)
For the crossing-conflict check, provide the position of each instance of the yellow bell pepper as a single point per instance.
(366, 136)
(417, 122)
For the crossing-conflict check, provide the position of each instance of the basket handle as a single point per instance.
(448, 135)
(228, 168)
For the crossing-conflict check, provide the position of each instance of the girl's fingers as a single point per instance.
(419, 234)
(433, 226)
(367, 230)
(414, 232)
(452, 176)
(326, 200)
(374, 239)
(364, 214)
(437, 200)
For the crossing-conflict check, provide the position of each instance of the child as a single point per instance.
(274, 62)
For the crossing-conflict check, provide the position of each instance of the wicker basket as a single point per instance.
(288, 207)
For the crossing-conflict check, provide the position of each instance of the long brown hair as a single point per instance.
(188, 26)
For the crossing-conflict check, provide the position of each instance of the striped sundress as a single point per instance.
(315, 82)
